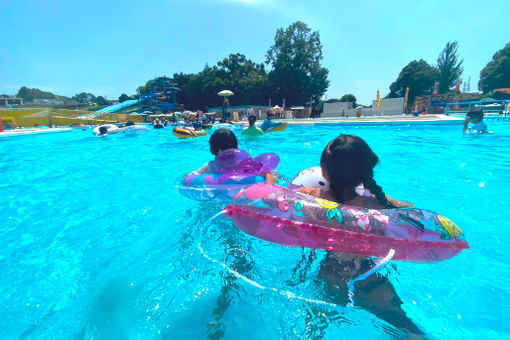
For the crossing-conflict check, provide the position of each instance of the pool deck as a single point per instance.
(387, 120)
(31, 131)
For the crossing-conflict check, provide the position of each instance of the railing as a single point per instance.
(492, 106)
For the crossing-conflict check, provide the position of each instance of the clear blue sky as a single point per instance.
(111, 47)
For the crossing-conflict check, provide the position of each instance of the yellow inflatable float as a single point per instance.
(183, 133)
(282, 127)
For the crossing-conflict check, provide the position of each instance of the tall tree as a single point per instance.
(349, 98)
(419, 76)
(123, 97)
(295, 57)
(101, 101)
(496, 74)
(29, 94)
(449, 66)
(84, 98)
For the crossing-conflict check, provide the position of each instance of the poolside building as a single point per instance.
(11, 101)
(387, 107)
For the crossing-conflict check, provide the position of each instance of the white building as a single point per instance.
(388, 107)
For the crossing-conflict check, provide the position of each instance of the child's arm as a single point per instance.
(270, 179)
(466, 123)
(399, 204)
(205, 169)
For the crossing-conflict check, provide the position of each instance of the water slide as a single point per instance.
(118, 107)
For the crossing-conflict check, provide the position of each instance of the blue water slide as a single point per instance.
(118, 107)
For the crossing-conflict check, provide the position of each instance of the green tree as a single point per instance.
(84, 98)
(349, 98)
(419, 76)
(496, 74)
(449, 66)
(101, 101)
(296, 73)
(30, 94)
(248, 80)
(144, 88)
(123, 97)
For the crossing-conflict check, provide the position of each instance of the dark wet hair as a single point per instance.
(475, 114)
(129, 123)
(222, 139)
(349, 162)
(252, 119)
(103, 130)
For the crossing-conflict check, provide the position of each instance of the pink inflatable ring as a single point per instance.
(282, 216)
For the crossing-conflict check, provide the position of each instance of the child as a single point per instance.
(252, 130)
(268, 124)
(346, 162)
(476, 118)
(222, 140)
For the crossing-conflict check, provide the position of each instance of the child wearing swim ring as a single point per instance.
(346, 162)
(268, 124)
(475, 118)
(221, 141)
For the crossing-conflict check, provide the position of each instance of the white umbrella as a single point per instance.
(276, 107)
(225, 93)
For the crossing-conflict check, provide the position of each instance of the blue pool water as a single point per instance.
(96, 242)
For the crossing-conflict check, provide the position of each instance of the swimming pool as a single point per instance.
(96, 241)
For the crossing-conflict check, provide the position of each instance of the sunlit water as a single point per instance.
(96, 242)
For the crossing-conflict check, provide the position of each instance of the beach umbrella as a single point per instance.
(225, 93)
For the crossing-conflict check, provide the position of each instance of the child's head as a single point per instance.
(222, 139)
(475, 116)
(103, 130)
(348, 161)
(252, 119)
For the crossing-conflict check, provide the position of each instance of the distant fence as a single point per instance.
(13, 118)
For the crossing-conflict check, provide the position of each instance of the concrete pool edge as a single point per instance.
(388, 120)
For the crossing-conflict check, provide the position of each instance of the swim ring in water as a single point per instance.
(231, 171)
(290, 218)
(281, 127)
(183, 133)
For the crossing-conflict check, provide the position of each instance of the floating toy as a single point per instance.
(111, 129)
(283, 216)
(281, 127)
(310, 178)
(313, 178)
(183, 133)
(233, 170)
